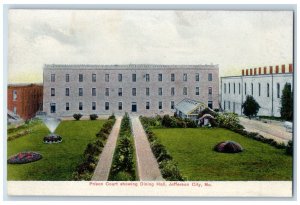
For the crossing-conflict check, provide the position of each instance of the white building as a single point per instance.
(142, 89)
(265, 85)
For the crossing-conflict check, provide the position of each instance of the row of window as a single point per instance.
(146, 76)
(252, 89)
(120, 91)
(106, 106)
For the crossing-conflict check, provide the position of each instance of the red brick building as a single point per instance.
(25, 99)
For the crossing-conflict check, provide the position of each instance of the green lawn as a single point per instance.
(59, 160)
(192, 149)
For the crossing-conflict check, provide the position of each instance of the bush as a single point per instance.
(77, 116)
(93, 117)
(289, 148)
(170, 171)
(228, 120)
(112, 117)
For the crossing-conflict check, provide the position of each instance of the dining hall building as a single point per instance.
(144, 89)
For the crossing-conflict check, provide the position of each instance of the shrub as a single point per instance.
(228, 120)
(77, 116)
(93, 117)
(250, 106)
(112, 117)
(289, 148)
(190, 123)
(170, 171)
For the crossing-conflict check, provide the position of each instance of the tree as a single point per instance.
(286, 110)
(250, 107)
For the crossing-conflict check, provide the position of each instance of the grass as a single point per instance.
(192, 149)
(59, 160)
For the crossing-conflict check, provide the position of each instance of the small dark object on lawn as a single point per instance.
(228, 147)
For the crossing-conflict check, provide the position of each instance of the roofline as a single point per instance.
(260, 75)
(24, 84)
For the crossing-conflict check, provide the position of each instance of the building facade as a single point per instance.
(25, 100)
(142, 89)
(264, 84)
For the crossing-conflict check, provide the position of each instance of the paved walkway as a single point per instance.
(273, 130)
(102, 170)
(148, 169)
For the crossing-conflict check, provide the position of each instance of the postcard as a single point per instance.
(195, 103)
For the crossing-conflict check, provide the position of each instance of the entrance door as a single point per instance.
(133, 107)
(52, 107)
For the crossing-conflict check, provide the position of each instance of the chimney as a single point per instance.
(246, 71)
(265, 70)
(271, 69)
(290, 68)
(254, 71)
(282, 68)
(250, 71)
(259, 70)
(277, 69)
(243, 72)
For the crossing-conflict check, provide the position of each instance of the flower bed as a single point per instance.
(52, 138)
(24, 157)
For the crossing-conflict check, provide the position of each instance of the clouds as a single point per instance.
(234, 40)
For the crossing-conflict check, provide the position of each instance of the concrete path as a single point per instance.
(102, 170)
(148, 169)
(273, 130)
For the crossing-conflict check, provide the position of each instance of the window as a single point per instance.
(197, 77)
(209, 90)
(80, 91)
(93, 105)
(278, 90)
(245, 88)
(224, 87)
(268, 90)
(228, 87)
(52, 91)
(159, 91)
(172, 77)
(106, 77)
(15, 110)
(67, 91)
(147, 105)
(172, 105)
(251, 88)
(228, 105)
(184, 77)
(120, 77)
(80, 77)
(210, 104)
(172, 91)
(120, 106)
(224, 105)
(233, 88)
(133, 91)
(133, 77)
(67, 106)
(106, 91)
(160, 105)
(209, 76)
(52, 77)
(239, 88)
(147, 77)
(185, 91)
(197, 91)
(106, 105)
(93, 91)
(52, 107)
(147, 91)
(258, 89)
(120, 93)
(67, 78)
(80, 106)
(14, 95)
(159, 77)
(93, 77)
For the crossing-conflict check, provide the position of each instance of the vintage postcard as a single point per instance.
(194, 103)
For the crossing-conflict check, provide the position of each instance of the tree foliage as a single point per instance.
(286, 110)
(250, 107)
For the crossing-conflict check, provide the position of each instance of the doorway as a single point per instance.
(133, 107)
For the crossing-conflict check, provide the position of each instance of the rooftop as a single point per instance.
(187, 105)
(127, 66)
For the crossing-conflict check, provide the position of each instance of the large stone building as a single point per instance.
(142, 89)
(264, 84)
(24, 100)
